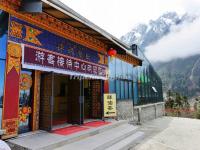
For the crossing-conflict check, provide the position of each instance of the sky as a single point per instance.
(120, 16)
(181, 43)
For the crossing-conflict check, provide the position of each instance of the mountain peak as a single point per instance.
(147, 34)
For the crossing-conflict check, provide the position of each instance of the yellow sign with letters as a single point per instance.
(110, 105)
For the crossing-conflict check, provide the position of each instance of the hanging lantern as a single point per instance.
(112, 53)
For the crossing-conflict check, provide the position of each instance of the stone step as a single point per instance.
(48, 141)
(103, 140)
(128, 142)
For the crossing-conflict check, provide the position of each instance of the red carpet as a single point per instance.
(96, 123)
(69, 130)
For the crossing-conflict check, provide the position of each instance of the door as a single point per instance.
(46, 101)
(75, 102)
(96, 94)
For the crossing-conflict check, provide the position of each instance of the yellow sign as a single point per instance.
(110, 105)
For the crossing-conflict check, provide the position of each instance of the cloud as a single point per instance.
(119, 16)
(182, 42)
(191, 6)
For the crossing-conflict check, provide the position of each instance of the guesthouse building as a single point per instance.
(54, 67)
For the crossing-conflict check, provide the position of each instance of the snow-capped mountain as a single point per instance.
(147, 34)
(185, 81)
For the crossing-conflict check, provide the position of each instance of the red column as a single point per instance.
(106, 86)
(11, 90)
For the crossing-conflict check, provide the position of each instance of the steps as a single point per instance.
(48, 141)
(128, 142)
(121, 137)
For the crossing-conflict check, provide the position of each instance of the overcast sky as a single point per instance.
(181, 43)
(120, 16)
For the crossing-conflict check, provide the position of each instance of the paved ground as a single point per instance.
(170, 133)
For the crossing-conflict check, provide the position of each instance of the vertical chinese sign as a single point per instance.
(110, 105)
(11, 93)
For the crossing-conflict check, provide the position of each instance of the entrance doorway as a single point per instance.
(60, 100)
(67, 106)
(93, 99)
(60, 107)
(68, 101)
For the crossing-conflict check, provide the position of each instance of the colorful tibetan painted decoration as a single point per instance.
(14, 54)
(24, 113)
(25, 81)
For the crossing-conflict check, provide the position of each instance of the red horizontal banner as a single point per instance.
(45, 60)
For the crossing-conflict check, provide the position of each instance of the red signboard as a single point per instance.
(44, 60)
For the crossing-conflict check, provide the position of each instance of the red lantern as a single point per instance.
(112, 52)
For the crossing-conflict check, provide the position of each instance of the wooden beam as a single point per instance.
(68, 19)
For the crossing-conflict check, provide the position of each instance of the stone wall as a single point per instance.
(148, 112)
(139, 114)
(125, 109)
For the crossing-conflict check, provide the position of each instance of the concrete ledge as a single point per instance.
(148, 112)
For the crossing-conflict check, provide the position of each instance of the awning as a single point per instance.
(62, 12)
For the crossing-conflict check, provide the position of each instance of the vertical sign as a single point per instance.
(110, 105)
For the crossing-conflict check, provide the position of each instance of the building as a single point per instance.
(134, 85)
(53, 66)
(149, 83)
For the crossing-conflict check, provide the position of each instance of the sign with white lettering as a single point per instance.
(44, 60)
(47, 51)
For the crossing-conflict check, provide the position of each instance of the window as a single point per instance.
(122, 90)
(126, 89)
(3, 45)
(112, 67)
(122, 75)
(130, 72)
(130, 92)
(112, 86)
(118, 89)
(119, 71)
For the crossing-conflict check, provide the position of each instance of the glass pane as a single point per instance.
(3, 33)
(130, 72)
(2, 73)
(126, 89)
(124, 70)
(3, 45)
(111, 66)
(122, 90)
(130, 90)
(118, 68)
(118, 89)
(135, 86)
(112, 86)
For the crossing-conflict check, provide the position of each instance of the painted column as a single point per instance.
(11, 92)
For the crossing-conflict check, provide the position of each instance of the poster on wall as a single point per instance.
(110, 105)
